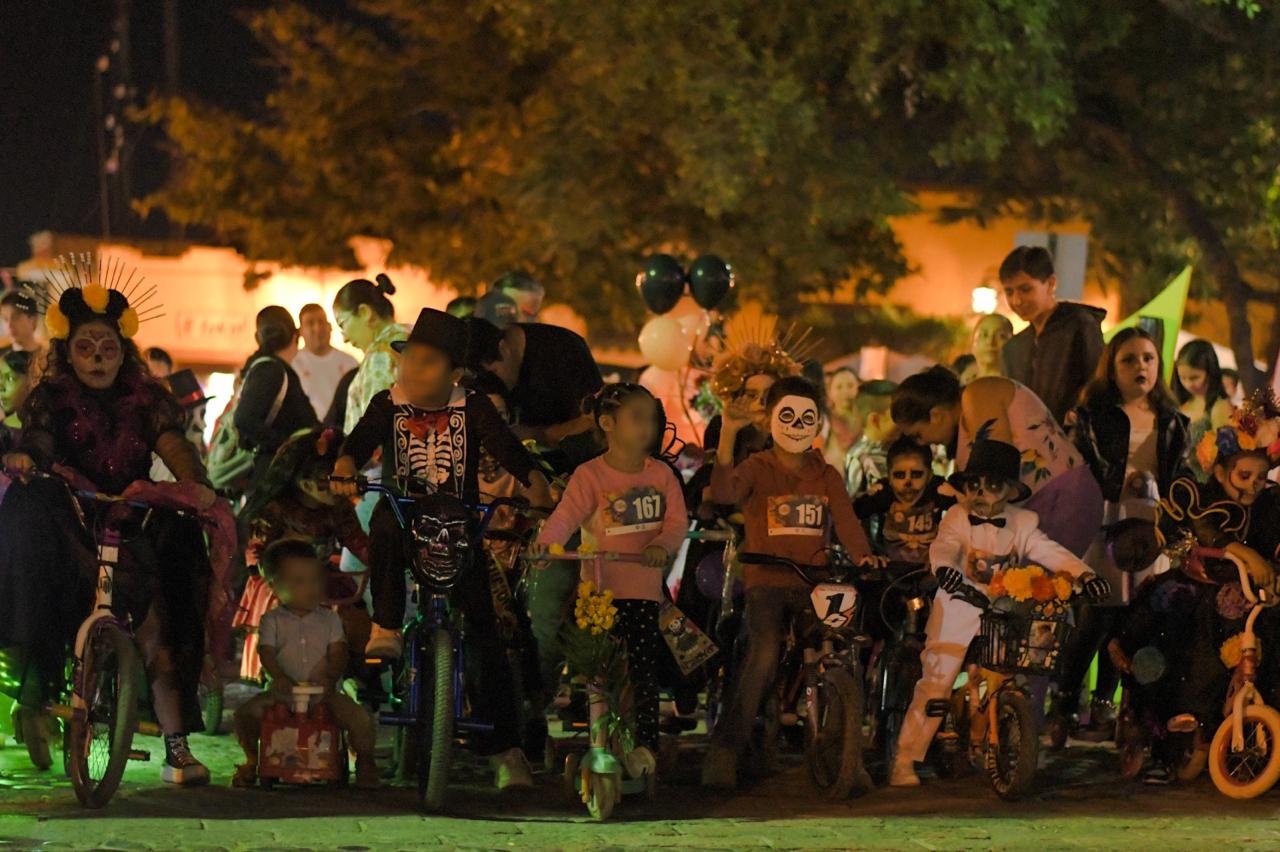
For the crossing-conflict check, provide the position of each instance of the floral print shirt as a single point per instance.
(1046, 450)
(376, 373)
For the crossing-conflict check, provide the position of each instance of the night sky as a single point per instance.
(48, 153)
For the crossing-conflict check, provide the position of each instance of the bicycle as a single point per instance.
(991, 720)
(433, 708)
(822, 659)
(1244, 756)
(102, 717)
(893, 674)
(725, 619)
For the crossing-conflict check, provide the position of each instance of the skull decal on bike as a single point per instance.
(441, 541)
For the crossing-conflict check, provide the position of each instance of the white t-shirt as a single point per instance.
(320, 375)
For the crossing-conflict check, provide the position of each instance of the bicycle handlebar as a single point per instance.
(802, 571)
(1262, 595)
(396, 500)
(107, 499)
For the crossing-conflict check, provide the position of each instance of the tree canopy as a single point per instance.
(573, 138)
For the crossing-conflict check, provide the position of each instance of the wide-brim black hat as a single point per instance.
(186, 387)
(994, 460)
(443, 331)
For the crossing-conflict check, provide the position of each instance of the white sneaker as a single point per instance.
(384, 643)
(511, 769)
(903, 774)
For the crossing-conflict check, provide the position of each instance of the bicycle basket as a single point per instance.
(1022, 643)
(441, 541)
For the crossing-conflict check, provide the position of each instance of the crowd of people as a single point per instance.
(1042, 447)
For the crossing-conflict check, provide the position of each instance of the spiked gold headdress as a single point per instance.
(85, 287)
(754, 347)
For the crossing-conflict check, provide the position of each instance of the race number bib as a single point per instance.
(982, 566)
(834, 603)
(909, 532)
(798, 514)
(637, 510)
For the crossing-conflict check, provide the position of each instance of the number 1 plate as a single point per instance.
(834, 603)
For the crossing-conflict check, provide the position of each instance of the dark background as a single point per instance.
(48, 152)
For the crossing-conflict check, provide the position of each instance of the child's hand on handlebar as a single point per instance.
(1095, 588)
(1260, 571)
(949, 579)
(656, 556)
(342, 481)
(20, 465)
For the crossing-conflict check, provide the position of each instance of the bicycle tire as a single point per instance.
(434, 764)
(603, 793)
(110, 662)
(833, 751)
(1011, 762)
(1231, 774)
(211, 709)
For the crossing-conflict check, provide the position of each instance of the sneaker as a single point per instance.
(180, 766)
(246, 775)
(720, 768)
(903, 773)
(511, 770)
(1158, 775)
(388, 644)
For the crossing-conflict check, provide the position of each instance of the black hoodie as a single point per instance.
(1057, 363)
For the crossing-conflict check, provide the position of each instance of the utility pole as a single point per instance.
(99, 134)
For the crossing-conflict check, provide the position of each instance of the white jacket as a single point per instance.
(978, 551)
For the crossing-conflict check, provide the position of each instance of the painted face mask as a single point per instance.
(795, 423)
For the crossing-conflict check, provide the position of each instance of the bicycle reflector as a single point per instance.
(440, 539)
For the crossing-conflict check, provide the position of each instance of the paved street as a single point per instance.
(1080, 805)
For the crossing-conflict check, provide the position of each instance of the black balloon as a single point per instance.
(661, 283)
(710, 280)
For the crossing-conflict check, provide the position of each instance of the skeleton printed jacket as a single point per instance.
(437, 448)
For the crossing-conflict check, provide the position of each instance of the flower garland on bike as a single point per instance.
(96, 417)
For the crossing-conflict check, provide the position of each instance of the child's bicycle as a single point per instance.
(823, 660)
(893, 674)
(990, 720)
(725, 619)
(607, 771)
(108, 671)
(432, 703)
(1244, 757)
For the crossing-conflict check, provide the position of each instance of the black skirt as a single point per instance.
(48, 571)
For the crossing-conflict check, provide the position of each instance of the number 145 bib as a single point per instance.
(798, 514)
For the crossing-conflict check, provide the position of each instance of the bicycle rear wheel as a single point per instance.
(433, 764)
(99, 739)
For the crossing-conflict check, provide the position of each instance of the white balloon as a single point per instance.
(665, 344)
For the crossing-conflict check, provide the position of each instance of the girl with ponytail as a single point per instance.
(366, 318)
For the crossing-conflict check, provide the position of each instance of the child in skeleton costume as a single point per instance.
(979, 536)
(902, 511)
(792, 500)
(431, 431)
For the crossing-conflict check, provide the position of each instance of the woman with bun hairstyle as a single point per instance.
(367, 320)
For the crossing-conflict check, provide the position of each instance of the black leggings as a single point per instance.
(637, 623)
(1097, 626)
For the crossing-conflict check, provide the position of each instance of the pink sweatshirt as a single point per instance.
(623, 513)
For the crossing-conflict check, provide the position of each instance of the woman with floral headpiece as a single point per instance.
(95, 418)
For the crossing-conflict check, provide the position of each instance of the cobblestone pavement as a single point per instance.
(1080, 804)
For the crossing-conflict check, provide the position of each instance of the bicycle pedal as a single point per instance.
(140, 756)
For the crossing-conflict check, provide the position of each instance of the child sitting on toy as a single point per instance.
(792, 500)
(979, 536)
(301, 641)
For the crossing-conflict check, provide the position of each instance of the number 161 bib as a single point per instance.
(798, 514)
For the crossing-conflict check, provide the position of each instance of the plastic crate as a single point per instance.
(1017, 643)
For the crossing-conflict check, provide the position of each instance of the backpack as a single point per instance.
(230, 465)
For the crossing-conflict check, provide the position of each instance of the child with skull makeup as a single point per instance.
(902, 511)
(792, 500)
(979, 536)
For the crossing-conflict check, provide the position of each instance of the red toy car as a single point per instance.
(302, 744)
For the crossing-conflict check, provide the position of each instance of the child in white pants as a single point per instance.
(978, 537)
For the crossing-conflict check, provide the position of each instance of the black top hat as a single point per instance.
(994, 460)
(444, 332)
(187, 388)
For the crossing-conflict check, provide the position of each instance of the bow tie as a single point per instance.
(974, 520)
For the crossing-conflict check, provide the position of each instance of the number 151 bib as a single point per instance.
(798, 514)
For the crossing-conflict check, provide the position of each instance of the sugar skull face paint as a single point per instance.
(795, 423)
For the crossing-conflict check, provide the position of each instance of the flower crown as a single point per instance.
(86, 287)
(1254, 427)
(754, 347)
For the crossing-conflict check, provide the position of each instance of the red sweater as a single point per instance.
(789, 513)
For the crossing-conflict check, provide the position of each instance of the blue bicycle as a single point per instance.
(430, 703)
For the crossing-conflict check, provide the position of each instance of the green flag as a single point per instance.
(1166, 309)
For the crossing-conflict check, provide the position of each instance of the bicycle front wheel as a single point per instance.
(433, 765)
(1011, 759)
(833, 749)
(99, 739)
(1253, 770)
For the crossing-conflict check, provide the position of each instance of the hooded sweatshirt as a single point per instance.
(1058, 362)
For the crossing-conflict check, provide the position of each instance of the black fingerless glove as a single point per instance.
(949, 579)
(1097, 589)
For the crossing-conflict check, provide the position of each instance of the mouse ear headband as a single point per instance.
(86, 287)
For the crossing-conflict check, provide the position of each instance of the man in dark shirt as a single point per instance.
(548, 371)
